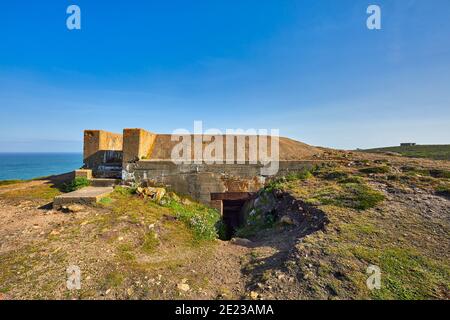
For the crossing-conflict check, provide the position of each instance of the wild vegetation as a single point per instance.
(75, 184)
(311, 235)
(436, 152)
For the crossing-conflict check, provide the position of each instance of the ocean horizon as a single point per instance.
(30, 165)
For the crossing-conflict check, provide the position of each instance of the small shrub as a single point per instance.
(352, 179)
(277, 184)
(124, 191)
(435, 173)
(221, 230)
(256, 221)
(304, 174)
(201, 219)
(335, 175)
(375, 170)
(75, 184)
(439, 173)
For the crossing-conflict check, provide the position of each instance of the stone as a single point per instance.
(130, 291)
(156, 194)
(287, 220)
(83, 173)
(73, 208)
(254, 295)
(186, 201)
(241, 242)
(183, 287)
(54, 233)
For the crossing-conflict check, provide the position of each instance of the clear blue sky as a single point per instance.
(308, 67)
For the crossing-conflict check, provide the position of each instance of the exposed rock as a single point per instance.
(254, 295)
(72, 208)
(174, 196)
(54, 233)
(156, 194)
(241, 242)
(186, 201)
(183, 287)
(287, 220)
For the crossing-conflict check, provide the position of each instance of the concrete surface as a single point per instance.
(87, 195)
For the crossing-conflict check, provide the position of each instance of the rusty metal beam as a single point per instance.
(231, 196)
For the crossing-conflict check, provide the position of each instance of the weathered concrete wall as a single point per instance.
(200, 180)
(138, 144)
(99, 140)
(134, 155)
(101, 148)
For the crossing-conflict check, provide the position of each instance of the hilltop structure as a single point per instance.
(141, 156)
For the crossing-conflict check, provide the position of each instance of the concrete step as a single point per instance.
(104, 182)
(87, 195)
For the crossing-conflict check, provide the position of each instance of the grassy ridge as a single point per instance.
(436, 152)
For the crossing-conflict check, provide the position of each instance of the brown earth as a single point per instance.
(131, 248)
(288, 149)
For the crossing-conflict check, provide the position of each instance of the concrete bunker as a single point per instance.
(137, 156)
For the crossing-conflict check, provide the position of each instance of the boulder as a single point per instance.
(156, 194)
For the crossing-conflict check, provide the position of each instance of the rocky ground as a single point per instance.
(313, 239)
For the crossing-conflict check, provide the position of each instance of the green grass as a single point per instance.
(255, 223)
(75, 184)
(436, 152)
(435, 173)
(348, 195)
(113, 279)
(199, 218)
(336, 175)
(151, 242)
(45, 192)
(375, 170)
(278, 183)
(9, 182)
(405, 274)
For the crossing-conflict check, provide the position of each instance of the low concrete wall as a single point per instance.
(200, 180)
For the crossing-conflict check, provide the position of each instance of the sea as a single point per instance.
(24, 166)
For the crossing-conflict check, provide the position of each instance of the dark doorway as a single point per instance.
(233, 216)
(232, 213)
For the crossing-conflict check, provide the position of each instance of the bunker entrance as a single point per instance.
(231, 205)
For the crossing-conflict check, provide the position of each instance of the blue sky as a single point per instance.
(308, 67)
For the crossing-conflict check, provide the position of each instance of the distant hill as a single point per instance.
(436, 152)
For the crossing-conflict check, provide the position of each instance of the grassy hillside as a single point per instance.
(436, 152)
(312, 234)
